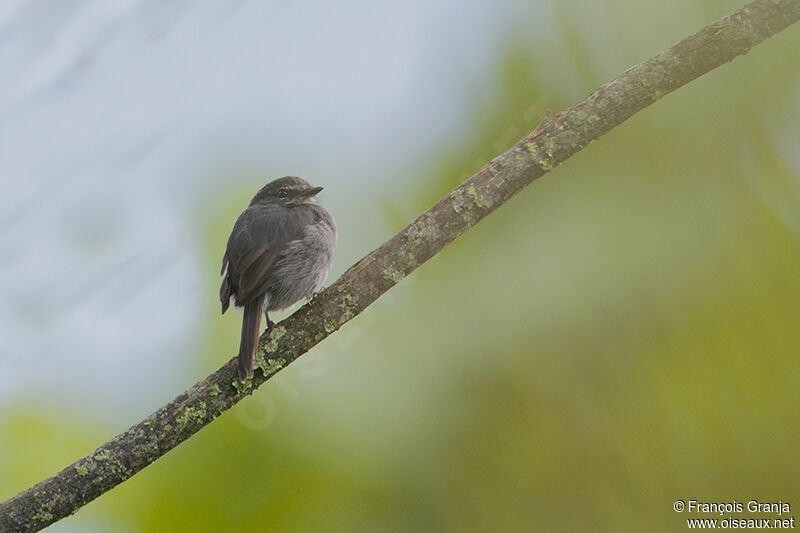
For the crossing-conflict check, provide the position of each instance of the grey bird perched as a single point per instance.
(280, 251)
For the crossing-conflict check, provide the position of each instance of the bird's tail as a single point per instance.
(251, 323)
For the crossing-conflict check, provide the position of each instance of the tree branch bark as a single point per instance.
(541, 150)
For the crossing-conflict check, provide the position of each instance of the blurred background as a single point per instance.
(622, 334)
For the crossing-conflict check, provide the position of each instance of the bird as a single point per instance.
(280, 251)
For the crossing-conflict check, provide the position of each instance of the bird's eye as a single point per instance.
(283, 193)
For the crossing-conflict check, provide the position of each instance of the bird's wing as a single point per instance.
(258, 237)
(254, 269)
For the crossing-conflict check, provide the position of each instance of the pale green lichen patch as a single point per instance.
(258, 360)
(549, 146)
(102, 456)
(81, 470)
(465, 202)
(519, 161)
(117, 467)
(346, 316)
(243, 386)
(422, 232)
(391, 274)
(409, 259)
(192, 415)
(272, 366)
(214, 390)
(274, 336)
(43, 516)
(457, 196)
(543, 155)
(583, 116)
(652, 79)
(479, 200)
(269, 347)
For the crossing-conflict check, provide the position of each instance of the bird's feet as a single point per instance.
(270, 325)
(310, 299)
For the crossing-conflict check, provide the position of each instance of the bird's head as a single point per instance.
(287, 191)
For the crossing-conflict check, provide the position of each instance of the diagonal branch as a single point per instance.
(553, 142)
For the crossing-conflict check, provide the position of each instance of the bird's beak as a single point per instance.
(310, 193)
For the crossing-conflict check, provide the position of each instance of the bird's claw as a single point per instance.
(310, 299)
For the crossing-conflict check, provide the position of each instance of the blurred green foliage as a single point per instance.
(621, 335)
